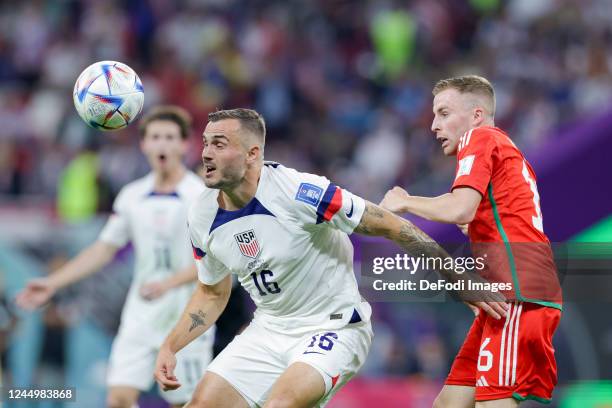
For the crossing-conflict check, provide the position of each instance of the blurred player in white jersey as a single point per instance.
(151, 212)
(284, 234)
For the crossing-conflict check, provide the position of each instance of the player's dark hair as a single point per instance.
(249, 119)
(467, 84)
(174, 114)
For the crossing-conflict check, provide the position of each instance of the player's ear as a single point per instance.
(478, 116)
(254, 154)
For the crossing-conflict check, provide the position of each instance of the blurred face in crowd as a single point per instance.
(163, 145)
(454, 114)
(228, 152)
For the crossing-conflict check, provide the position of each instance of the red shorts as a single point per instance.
(511, 357)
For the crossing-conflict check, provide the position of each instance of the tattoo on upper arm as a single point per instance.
(370, 221)
(197, 319)
(377, 221)
(374, 211)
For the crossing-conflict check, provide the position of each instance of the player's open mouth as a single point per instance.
(443, 141)
(209, 169)
(162, 158)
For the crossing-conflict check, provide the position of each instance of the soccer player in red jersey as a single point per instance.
(502, 361)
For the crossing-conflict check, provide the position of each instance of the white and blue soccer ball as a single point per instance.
(108, 95)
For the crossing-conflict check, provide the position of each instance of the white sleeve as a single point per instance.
(117, 228)
(210, 270)
(315, 200)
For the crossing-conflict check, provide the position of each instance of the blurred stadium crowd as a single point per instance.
(345, 88)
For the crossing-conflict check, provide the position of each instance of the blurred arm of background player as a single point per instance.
(153, 290)
(90, 260)
(204, 308)
(380, 222)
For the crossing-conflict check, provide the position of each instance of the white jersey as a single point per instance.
(288, 247)
(156, 224)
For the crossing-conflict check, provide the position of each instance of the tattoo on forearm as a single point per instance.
(410, 235)
(413, 239)
(197, 319)
(377, 221)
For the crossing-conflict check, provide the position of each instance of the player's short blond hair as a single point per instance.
(473, 84)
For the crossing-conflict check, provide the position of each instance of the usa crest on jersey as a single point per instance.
(247, 243)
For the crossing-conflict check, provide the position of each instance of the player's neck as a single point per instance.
(235, 198)
(486, 123)
(166, 182)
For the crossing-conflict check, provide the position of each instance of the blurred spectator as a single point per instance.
(337, 82)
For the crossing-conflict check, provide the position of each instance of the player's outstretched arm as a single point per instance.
(456, 207)
(204, 308)
(154, 290)
(90, 260)
(377, 221)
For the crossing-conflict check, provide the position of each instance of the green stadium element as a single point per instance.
(485, 6)
(587, 394)
(77, 190)
(598, 232)
(394, 35)
(593, 243)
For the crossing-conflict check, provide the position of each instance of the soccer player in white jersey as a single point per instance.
(151, 212)
(284, 234)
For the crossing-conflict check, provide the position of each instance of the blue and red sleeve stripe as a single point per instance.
(330, 204)
(197, 253)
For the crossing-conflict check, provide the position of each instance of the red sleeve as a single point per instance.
(474, 160)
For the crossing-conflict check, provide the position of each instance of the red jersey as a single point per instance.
(508, 224)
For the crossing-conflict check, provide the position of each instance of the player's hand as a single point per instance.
(496, 310)
(492, 303)
(164, 370)
(394, 200)
(36, 293)
(463, 228)
(153, 290)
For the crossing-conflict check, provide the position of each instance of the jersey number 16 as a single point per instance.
(271, 287)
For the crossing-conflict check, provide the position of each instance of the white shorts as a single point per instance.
(255, 359)
(132, 364)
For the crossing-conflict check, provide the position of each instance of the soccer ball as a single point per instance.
(108, 95)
